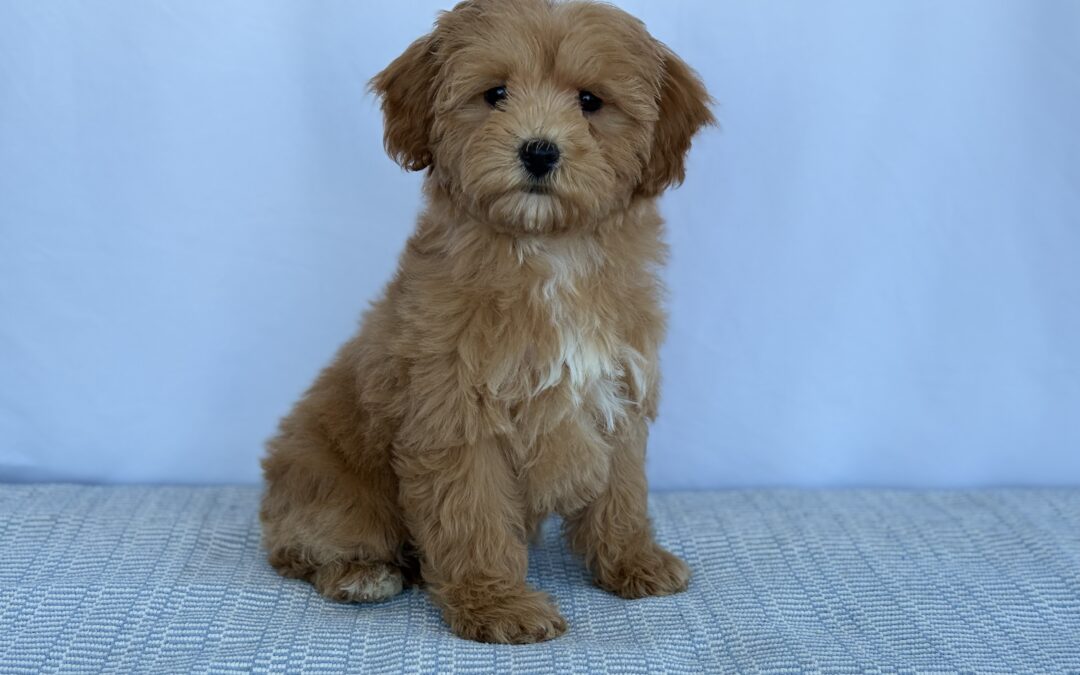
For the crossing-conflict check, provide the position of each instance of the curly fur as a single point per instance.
(510, 370)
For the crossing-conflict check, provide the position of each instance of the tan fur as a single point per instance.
(510, 370)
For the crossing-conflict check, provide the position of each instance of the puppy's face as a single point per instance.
(538, 117)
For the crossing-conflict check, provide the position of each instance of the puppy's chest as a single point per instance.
(577, 378)
(564, 377)
(572, 362)
(583, 365)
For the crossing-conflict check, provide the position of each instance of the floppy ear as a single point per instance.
(684, 109)
(406, 88)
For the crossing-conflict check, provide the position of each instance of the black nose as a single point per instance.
(539, 157)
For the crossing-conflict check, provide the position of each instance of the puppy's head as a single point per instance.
(539, 116)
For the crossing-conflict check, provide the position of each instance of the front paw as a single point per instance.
(518, 616)
(643, 573)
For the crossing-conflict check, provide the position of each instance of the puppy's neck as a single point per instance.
(475, 254)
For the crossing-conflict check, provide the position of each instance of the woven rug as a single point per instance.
(172, 580)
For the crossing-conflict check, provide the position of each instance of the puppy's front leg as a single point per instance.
(613, 532)
(464, 511)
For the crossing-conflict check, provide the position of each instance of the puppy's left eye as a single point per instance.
(590, 102)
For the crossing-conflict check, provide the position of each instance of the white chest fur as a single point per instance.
(602, 372)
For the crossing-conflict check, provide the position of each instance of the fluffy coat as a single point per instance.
(510, 370)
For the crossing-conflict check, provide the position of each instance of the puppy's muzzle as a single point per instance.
(539, 157)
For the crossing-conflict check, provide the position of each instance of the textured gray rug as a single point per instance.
(171, 579)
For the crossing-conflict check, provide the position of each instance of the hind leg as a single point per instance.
(332, 524)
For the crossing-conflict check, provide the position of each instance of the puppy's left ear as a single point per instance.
(684, 109)
(406, 88)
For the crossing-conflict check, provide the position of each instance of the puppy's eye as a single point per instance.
(590, 102)
(495, 95)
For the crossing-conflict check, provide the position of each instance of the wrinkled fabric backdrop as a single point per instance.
(875, 270)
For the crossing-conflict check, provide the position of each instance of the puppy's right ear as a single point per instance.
(406, 88)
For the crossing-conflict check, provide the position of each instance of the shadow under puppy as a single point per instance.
(510, 369)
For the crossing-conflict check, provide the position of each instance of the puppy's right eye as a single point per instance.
(495, 95)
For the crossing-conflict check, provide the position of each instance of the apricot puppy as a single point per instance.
(510, 369)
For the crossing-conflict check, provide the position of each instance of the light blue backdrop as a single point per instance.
(876, 263)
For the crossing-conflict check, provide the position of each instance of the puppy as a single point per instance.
(510, 369)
